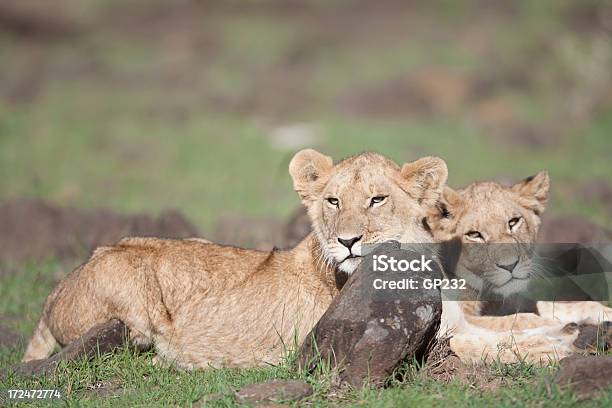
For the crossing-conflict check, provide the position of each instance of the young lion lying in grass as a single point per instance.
(497, 226)
(200, 304)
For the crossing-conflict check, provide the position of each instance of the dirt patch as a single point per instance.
(598, 191)
(589, 16)
(499, 76)
(39, 22)
(445, 366)
(297, 227)
(439, 91)
(572, 230)
(494, 114)
(497, 116)
(35, 229)
(431, 91)
(252, 232)
(8, 337)
(442, 363)
(275, 92)
(263, 233)
(538, 136)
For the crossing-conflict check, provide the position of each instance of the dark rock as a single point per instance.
(597, 190)
(31, 22)
(9, 338)
(367, 334)
(251, 232)
(592, 337)
(590, 17)
(572, 230)
(35, 229)
(274, 391)
(428, 92)
(588, 376)
(297, 228)
(262, 233)
(532, 136)
(101, 339)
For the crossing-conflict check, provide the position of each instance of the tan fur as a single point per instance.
(201, 304)
(487, 208)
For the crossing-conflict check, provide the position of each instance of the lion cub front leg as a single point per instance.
(472, 310)
(517, 321)
(575, 312)
(498, 338)
(541, 345)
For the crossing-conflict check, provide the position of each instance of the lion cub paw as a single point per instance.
(591, 338)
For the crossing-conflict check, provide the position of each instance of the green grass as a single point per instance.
(129, 379)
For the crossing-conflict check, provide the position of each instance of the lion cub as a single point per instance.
(200, 304)
(506, 222)
(497, 227)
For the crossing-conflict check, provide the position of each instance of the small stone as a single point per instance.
(9, 338)
(588, 376)
(274, 391)
(592, 338)
(101, 338)
(572, 229)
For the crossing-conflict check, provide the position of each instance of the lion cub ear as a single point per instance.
(533, 192)
(309, 170)
(424, 179)
(442, 218)
(451, 203)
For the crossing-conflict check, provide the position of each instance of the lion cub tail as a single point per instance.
(42, 344)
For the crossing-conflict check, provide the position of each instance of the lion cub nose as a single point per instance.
(349, 242)
(509, 267)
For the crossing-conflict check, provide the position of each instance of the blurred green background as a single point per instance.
(144, 105)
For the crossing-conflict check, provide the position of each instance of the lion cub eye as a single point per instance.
(333, 201)
(514, 222)
(377, 200)
(475, 235)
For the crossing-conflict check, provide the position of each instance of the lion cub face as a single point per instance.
(365, 199)
(488, 213)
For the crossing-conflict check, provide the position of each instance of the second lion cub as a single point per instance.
(497, 227)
